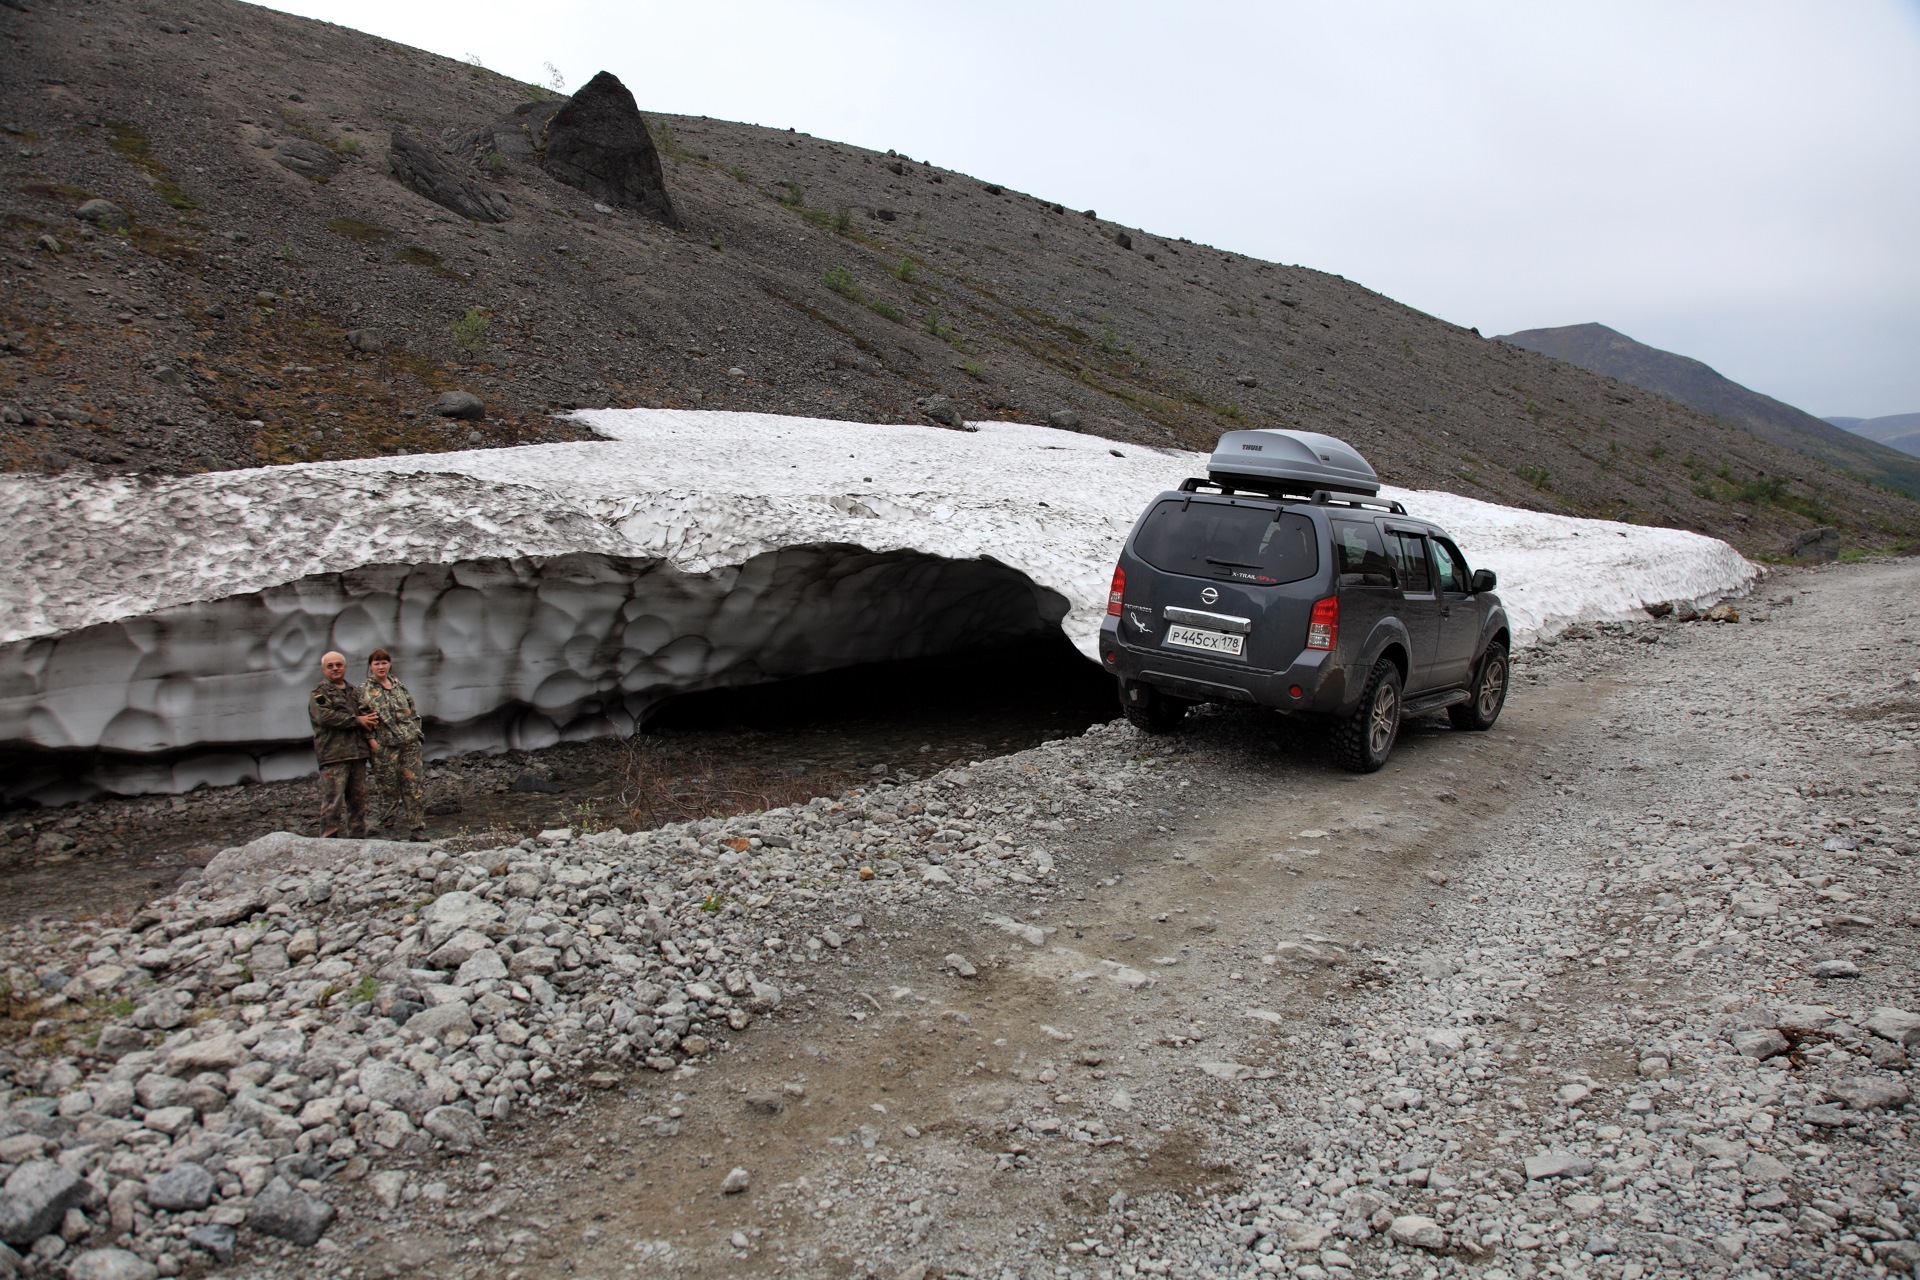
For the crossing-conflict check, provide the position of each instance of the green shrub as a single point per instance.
(359, 232)
(904, 270)
(881, 307)
(840, 280)
(470, 331)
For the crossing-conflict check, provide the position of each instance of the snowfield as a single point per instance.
(558, 590)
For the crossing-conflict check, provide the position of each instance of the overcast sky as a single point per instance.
(1738, 182)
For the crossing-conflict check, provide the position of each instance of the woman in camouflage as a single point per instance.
(397, 767)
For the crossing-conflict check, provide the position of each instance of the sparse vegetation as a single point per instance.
(130, 141)
(840, 280)
(359, 232)
(1537, 476)
(887, 311)
(418, 255)
(470, 330)
(904, 270)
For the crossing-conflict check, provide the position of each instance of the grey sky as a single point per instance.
(1739, 182)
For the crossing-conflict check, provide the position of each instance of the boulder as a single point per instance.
(37, 1197)
(1417, 1231)
(943, 409)
(308, 159)
(598, 142)
(462, 405)
(1817, 546)
(111, 1264)
(1761, 1044)
(1558, 1164)
(279, 853)
(183, 1188)
(1064, 419)
(447, 1020)
(289, 1213)
(370, 341)
(454, 1126)
(1897, 1025)
(421, 170)
(103, 213)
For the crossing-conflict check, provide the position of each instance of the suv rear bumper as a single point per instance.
(1322, 683)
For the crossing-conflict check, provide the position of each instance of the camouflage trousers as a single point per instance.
(343, 799)
(400, 774)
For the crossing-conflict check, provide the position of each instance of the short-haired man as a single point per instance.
(342, 723)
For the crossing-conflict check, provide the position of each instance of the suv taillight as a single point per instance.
(1116, 592)
(1323, 628)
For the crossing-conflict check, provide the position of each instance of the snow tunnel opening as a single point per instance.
(522, 654)
(990, 698)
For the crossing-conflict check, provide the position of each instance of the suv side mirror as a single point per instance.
(1483, 580)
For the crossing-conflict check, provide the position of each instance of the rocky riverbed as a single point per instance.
(1623, 988)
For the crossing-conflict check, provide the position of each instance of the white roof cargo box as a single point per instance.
(1272, 461)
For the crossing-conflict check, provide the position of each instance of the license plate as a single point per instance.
(1206, 641)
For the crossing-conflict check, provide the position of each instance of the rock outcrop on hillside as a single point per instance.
(421, 170)
(598, 143)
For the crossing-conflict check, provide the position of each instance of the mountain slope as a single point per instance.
(1897, 430)
(1606, 351)
(806, 276)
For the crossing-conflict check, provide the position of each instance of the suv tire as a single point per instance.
(1150, 711)
(1489, 690)
(1364, 739)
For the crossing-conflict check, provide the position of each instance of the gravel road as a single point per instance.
(1621, 989)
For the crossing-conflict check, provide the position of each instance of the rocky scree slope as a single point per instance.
(1691, 382)
(277, 293)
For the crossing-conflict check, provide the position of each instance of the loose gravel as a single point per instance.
(1625, 988)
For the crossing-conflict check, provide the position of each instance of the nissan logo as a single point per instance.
(1209, 595)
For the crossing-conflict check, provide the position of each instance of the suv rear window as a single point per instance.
(1222, 540)
(1363, 561)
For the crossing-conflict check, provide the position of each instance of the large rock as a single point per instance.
(447, 1020)
(289, 1213)
(1897, 1025)
(455, 912)
(421, 170)
(103, 213)
(1817, 545)
(457, 1128)
(37, 1197)
(598, 142)
(462, 405)
(279, 852)
(183, 1188)
(308, 159)
(223, 1052)
(111, 1264)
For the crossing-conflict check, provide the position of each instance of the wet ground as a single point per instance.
(722, 752)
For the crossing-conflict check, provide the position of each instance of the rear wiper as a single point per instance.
(1233, 564)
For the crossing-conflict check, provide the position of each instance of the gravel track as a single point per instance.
(1544, 1000)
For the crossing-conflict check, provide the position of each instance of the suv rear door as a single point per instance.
(1230, 565)
(1459, 615)
(1420, 605)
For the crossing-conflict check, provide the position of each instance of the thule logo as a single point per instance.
(1254, 448)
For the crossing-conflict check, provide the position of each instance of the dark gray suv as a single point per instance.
(1283, 580)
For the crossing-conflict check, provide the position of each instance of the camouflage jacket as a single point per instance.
(399, 716)
(337, 734)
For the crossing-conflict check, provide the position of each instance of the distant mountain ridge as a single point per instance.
(1896, 430)
(1606, 351)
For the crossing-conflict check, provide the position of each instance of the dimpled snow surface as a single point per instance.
(552, 591)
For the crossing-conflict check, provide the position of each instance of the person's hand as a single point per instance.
(368, 720)
(373, 746)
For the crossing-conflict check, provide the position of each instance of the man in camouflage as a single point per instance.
(397, 767)
(342, 723)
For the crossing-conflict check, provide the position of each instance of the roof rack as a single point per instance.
(1286, 493)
